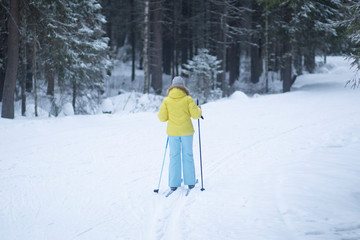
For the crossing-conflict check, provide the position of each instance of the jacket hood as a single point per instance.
(181, 91)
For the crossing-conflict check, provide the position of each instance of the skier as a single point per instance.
(178, 108)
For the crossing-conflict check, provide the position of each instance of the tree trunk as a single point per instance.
(3, 44)
(266, 51)
(309, 59)
(185, 31)
(221, 47)
(287, 82)
(133, 40)
(298, 60)
(34, 74)
(254, 48)
(254, 53)
(2, 80)
(278, 50)
(190, 30)
(156, 76)
(175, 66)
(167, 55)
(29, 73)
(234, 62)
(50, 78)
(224, 84)
(109, 23)
(23, 80)
(146, 48)
(74, 96)
(13, 60)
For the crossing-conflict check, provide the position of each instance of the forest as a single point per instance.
(66, 48)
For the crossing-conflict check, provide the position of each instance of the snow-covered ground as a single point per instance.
(276, 167)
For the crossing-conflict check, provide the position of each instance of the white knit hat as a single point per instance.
(178, 81)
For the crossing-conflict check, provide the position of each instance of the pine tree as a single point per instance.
(314, 23)
(76, 50)
(202, 72)
(303, 29)
(88, 56)
(353, 26)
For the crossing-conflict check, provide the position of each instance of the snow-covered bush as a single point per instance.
(68, 109)
(107, 106)
(148, 102)
(201, 72)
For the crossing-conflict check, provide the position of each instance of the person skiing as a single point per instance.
(178, 108)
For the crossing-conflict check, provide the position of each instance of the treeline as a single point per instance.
(62, 43)
(69, 43)
(283, 35)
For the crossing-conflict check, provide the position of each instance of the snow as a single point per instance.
(68, 110)
(239, 96)
(281, 166)
(31, 111)
(107, 106)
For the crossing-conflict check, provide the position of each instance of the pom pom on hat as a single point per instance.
(178, 81)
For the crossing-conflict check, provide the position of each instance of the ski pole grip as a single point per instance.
(197, 103)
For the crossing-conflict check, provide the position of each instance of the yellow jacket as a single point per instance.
(177, 109)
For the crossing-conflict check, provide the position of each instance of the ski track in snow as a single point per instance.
(167, 215)
(282, 166)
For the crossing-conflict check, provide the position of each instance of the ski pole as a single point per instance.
(202, 180)
(162, 167)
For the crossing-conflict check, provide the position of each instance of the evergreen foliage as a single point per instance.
(201, 72)
(76, 48)
(66, 44)
(353, 26)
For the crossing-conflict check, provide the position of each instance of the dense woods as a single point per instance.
(67, 46)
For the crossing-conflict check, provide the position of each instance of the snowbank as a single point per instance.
(107, 106)
(67, 110)
(239, 96)
(133, 102)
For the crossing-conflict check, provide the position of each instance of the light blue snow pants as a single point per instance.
(181, 148)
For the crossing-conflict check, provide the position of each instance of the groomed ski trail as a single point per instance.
(168, 214)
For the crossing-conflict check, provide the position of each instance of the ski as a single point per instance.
(169, 193)
(189, 189)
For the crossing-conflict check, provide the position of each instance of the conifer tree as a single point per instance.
(353, 26)
(75, 50)
(202, 72)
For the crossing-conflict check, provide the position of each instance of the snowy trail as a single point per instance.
(281, 166)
